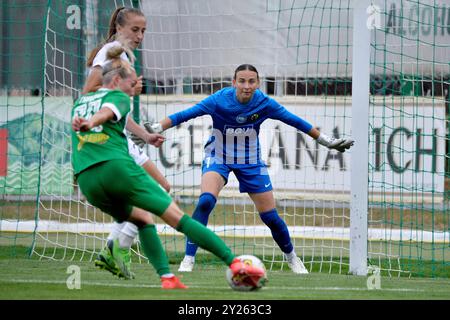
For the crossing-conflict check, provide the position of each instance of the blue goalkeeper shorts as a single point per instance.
(253, 178)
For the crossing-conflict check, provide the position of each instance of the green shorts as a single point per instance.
(116, 186)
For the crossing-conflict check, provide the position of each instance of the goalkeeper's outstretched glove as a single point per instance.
(155, 139)
(340, 144)
(153, 127)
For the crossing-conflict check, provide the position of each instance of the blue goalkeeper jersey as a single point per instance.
(234, 139)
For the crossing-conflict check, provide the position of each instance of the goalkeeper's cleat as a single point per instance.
(187, 264)
(297, 266)
(122, 258)
(106, 262)
(172, 283)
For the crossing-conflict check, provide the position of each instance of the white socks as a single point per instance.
(125, 232)
(127, 235)
(115, 230)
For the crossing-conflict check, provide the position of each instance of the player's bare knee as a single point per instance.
(172, 215)
(141, 217)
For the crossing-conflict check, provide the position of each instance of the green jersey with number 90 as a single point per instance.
(104, 142)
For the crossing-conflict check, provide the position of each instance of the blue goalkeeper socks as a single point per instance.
(278, 227)
(206, 203)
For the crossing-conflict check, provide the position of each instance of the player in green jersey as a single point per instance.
(114, 183)
(126, 28)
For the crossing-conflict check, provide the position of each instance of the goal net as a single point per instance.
(303, 52)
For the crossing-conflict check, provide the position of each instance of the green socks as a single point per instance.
(153, 249)
(198, 233)
(205, 238)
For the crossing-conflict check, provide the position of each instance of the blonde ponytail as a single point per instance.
(114, 52)
(115, 65)
(127, 48)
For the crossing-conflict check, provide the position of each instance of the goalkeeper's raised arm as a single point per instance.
(275, 111)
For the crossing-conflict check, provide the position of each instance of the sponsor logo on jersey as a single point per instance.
(96, 138)
(254, 117)
(242, 118)
(239, 131)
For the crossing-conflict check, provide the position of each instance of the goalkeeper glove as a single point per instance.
(340, 144)
(153, 127)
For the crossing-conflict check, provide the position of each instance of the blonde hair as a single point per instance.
(126, 47)
(116, 65)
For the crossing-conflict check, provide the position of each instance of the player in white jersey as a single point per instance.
(126, 29)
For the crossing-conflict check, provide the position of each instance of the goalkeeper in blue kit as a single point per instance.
(237, 113)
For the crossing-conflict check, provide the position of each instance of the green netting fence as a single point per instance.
(303, 51)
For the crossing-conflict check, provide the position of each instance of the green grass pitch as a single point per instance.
(30, 278)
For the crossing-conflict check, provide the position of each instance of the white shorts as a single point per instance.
(137, 153)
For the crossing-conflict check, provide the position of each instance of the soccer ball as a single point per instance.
(247, 283)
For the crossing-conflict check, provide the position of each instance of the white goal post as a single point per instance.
(360, 131)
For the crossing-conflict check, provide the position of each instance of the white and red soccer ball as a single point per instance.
(245, 282)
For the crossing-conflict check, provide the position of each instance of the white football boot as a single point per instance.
(187, 264)
(296, 264)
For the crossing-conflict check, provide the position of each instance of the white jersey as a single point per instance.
(137, 153)
(100, 60)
